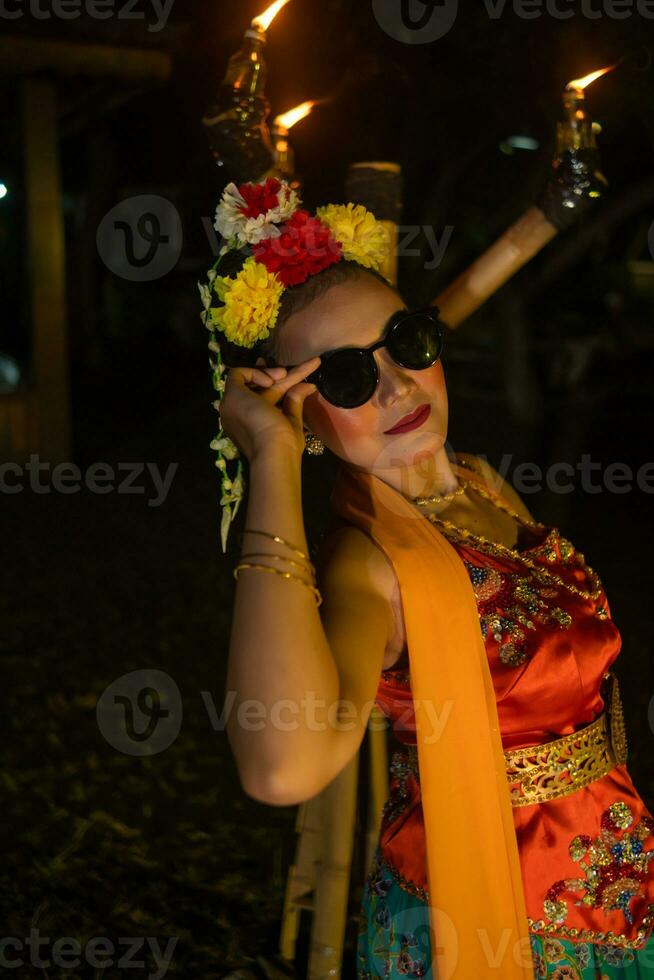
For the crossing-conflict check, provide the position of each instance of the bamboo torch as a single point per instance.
(236, 125)
(283, 165)
(575, 182)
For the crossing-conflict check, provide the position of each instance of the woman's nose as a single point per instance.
(395, 383)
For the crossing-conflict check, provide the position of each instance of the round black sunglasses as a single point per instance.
(347, 376)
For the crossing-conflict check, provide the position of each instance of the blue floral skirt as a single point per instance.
(393, 941)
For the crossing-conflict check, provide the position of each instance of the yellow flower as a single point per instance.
(251, 303)
(363, 239)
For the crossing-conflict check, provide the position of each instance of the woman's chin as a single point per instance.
(410, 448)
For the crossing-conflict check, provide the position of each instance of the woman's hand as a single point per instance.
(262, 407)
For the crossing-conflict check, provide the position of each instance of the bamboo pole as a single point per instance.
(519, 243)
(47, 261)
(301, 879)
(333, 875)
(27, 55)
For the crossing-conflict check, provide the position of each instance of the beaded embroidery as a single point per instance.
(399, 675)
(614, 866)
(405, 951)
(551, 547)
(539, 927)
(400, 770)
(517, 601)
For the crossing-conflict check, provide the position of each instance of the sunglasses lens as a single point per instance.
(348, 379)
(416, 342)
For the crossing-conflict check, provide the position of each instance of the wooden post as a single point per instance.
(47, 267)
(333, 875)
(301, 878)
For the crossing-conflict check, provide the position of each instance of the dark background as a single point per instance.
(557, 364)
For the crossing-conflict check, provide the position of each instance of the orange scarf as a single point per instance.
(478, 918)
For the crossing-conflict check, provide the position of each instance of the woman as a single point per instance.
(434, 564)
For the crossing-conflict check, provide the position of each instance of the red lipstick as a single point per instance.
(411, 421)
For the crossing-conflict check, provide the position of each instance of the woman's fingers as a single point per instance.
(251, 376)
(279, 372)
(297, 374)
(275, 372)
(300, 371)
(270, 388)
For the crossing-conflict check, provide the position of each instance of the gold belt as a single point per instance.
(553, 769)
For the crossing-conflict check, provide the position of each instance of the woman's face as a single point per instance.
(354, 314)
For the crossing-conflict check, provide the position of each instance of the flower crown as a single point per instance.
(271, 243)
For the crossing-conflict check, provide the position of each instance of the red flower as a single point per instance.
(305, 246)
(260, 198)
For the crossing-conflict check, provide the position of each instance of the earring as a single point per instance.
(313, 444)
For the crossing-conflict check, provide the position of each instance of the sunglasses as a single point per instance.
(347, 376)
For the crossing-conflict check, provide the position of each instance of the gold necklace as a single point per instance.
(502, 506)
(441, 498)
(502, 551)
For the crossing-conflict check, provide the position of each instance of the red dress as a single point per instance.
(586, 857)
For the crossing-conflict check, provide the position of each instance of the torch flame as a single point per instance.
(582, 83)
(264, 20)
(288, 119)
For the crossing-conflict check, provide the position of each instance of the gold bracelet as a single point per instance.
(309, 566)
(278, 571)
(276, 537)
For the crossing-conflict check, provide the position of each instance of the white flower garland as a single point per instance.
(232, 490)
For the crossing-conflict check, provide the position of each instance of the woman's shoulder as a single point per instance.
(346, 549)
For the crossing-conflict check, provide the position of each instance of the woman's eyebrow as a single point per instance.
(333, 350)
(357, 346)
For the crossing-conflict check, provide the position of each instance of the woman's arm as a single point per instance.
(289, 661)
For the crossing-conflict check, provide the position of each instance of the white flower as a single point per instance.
(228, 497)
(231, 223)
(225, 446)
(224, 527)
(205, 294)
(232, 494)
(218, 365)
